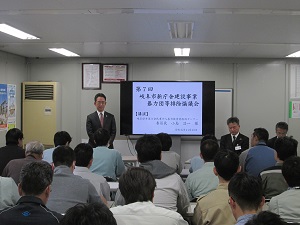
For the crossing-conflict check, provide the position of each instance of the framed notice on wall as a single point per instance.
(114, 73)
(91, 76)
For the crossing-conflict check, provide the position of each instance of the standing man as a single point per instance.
(234, 141)
(101, 119)
(281, 130)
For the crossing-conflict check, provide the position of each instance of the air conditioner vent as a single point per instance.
(39, 92)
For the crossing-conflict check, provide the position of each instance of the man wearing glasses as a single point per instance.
(101, 119)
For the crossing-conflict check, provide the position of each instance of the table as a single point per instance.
(114, 186)
(130, 159)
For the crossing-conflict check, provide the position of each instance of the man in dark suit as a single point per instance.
(281, 130)
(13, 149)
(234, 141)
(101, 119)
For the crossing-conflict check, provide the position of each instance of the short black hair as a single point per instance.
(99, 95)
(226, 163)
(291, 171)
(62, 138)
(148, 148)
(83, 154)
(137, 185)
(13, 136)
(101, 137)
(209, 149)
(208, 137)
(285, 147)
(282, 125)
(88, 214)
(233, 120)
(63, 155)
(35, 177)
(166, 141)
(266, 218)
(246, 191)
(262, 134)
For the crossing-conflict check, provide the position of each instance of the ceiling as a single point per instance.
(139, 28)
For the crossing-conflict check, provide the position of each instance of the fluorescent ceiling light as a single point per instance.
(15, 32)
(295, 54)
(182, 51)
(63, 51)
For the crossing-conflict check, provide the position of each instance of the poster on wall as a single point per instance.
(294, 109)
(7, 106)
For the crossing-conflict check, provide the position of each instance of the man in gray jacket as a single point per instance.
(170, 191)
(67, 188)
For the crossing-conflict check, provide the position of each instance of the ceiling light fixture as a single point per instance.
(181, 30)
(295, 55)
(182, 51)
(15, 32)
(63, 51)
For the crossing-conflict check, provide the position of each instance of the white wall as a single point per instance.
(259, 86)
(13, 70)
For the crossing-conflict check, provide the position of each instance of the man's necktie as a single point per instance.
(234, 137)
(101, 119)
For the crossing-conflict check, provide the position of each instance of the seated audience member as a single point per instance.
(170, 192)
(197, 162)
(35, 189)
(61, 138)
(203, 180)
(84, 159)
(106, 162)
(9, 194)
(168, 157)
(33, 151)
(234, 141)
(88, 214)
(272, 179)
(13, 149)
(281, 130)
(137, 186)
(260, 156)
(287, 204)
(246, 197)
(213, 208)
(67, 188)
(266, 218)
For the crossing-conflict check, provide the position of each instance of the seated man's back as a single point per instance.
(12, 150)
(213, 208)
(172, 159)
(8, 192)
(203, 180)
(272, 178)
(106, 162)
(287, 204)
(67, 188)
(260, 156)
(170, 192)
(35, 189)
(137, 186)
(84, 159)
